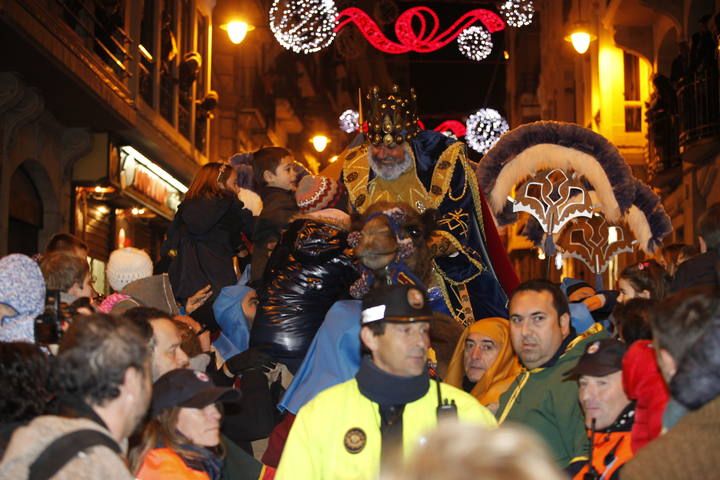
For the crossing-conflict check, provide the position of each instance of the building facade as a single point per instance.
(653, 96)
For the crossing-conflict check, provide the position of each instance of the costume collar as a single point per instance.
(386, 389)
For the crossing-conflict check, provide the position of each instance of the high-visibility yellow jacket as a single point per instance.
(337, 434)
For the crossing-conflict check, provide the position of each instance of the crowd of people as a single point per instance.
(300, 326)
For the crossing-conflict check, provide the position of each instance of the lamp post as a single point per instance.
(320, 142)
(580, 34)
(580, 37)
(237, 30)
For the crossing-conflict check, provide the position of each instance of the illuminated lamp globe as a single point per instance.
(320, 142)
(237, 30)
(580, 38)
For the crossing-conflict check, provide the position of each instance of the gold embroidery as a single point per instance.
(456, 219)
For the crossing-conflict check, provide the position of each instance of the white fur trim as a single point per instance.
(251, 200)
(545, 156)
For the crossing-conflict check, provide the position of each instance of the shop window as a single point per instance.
(26, 214)
(633, 105)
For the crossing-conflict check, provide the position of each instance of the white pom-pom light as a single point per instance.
(303, 26)
(349, 121)
(484, 128)
(517, 13)
(475, 43)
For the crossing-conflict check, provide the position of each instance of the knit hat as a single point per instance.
(22, 288)
(127, 265)
(316, 193)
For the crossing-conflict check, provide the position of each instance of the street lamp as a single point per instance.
(237, 30)
(320, 142)
(580, 37)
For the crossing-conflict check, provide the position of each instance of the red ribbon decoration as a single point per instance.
(426, 39)
(457, 128)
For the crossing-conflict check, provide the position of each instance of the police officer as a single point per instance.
(346, 430)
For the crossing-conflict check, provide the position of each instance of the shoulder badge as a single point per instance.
(355, 440)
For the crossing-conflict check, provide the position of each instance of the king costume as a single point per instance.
(478, 279)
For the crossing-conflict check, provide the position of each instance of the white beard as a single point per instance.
(390, 172)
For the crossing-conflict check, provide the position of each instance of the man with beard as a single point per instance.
(547, 345)
(399, 162)
(103, 369)
(348, 430)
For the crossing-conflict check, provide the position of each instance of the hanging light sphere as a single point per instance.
(349, 121)
(303, 26)
(475, 43)
(517, 13)
(484, 128)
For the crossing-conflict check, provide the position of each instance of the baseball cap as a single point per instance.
(601, 357)
(396, 304)
(188, 389)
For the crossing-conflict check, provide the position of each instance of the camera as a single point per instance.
(50, 325)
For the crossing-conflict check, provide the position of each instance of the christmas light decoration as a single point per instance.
(303, 26)
(484, 128)
(416, 28)
(517, 13)
(349, 121)
(475, 43)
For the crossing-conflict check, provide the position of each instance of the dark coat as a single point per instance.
(206, 233)
(697, 271)
(309, 270)
(278, 207)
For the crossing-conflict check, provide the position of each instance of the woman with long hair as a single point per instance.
(182, 440)
(207, 231)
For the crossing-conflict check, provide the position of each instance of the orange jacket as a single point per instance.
(611, 450)
(164, 463)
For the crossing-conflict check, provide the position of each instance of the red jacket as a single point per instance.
(644, 384)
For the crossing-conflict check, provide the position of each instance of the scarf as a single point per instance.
(387, 389)
(206, 461)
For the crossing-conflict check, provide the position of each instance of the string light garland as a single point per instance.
(417, 28)
(517, 13)
(303, 26)
(349, 121)
(475, 43)
(484, 128)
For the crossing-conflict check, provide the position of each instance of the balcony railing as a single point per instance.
(699, 109)
(664, 149)
(100, 28)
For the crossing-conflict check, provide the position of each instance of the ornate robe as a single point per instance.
(477, 281)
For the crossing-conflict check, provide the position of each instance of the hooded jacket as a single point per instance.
(644, 384)
(496, 380)
(22, 288)
(546, 401)
(205, 233)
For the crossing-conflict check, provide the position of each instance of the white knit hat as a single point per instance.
(127, 265)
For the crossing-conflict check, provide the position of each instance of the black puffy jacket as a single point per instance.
(310, 269)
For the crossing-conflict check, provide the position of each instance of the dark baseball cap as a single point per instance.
(188, 389)
(396, 304)
(601, 357)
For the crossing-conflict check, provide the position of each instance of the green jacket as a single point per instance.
(545, 401)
